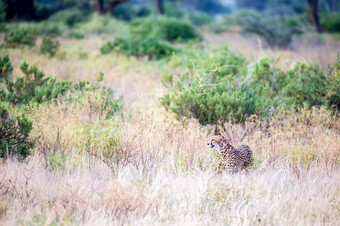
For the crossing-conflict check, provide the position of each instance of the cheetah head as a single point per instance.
(216, 142)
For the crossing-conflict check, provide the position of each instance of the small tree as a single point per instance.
(5, 67)
(14, 135)
(49, 46)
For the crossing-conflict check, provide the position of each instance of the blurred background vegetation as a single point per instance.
(276, 21)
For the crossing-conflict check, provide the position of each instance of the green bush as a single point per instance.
(69, 17)
(20, 37)
(35, 87)
(219, 86)
(5, 67)
(152, 48)
(278, 32)
(171, 9)
(330, 22)
(41, 28)
(49, 29)
(306, 85)
(14, 135)
(102, 24)
(200, 19)
(150, 37)
(302, 85)
(207, 86)
(169, 29)
(49, 46)
(75, 35)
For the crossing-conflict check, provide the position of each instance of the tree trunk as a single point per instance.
(160, 7)
(313, 7)
(100, 6)
(114, 4)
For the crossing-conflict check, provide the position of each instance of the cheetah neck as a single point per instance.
(226, 148)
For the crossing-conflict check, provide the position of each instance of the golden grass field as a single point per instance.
(168, 176)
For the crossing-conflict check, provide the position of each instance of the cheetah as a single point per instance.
(234, 159)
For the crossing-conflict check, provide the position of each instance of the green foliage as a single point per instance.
(277, 31)
(69, 17)
(150, 37)
(49, 46)
(152, 48)
(57, 161)
(20, 37)
(35, 87)
(330, 22)
(102, 140)
(14, 135)
(5, 67)
(102, 24)
(200, 19)
(206, 86)
(218, 86)
(171, 9)
(75, 35)
(42, 28)
(169, 29)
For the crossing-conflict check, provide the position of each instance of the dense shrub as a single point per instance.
(302, 85)
(150, 37)
(169, 29)
(14, 135)
(19, 37)
(206, 86)
(331, 22)
(75, 35)
(49, 46)
(152, 48)
(40, 28)
(276, 31)
(217, 86)
(171, 9)
(68, 17)
(5, 67)
(102, 24)
(35, 87)
(200, 19)
(49, 29)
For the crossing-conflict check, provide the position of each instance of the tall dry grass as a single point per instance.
(149, 168)
(169, 177)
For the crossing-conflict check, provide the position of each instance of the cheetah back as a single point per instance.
(245, 153)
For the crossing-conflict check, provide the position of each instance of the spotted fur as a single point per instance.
(233, 159)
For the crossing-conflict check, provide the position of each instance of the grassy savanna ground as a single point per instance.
(166, 174)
